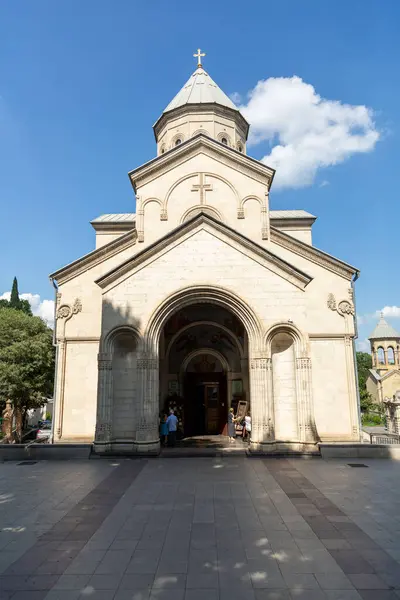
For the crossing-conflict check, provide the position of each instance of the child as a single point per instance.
(247, 427)
(164, 430)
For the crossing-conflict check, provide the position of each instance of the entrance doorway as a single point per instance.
(203, 368)
(205, 404)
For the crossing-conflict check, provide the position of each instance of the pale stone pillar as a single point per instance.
(147, 433)
(60, 387)
(261, 413)
(103, 435)
(305, 406)
(351, 386)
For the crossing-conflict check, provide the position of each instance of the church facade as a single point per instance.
(205, 297)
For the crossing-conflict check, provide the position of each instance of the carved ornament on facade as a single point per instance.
(240, 213)
(303, 363)
(344, 307)
(66, 311)
(163, 215)
(261, 363)
(103, 431)
(147, 363)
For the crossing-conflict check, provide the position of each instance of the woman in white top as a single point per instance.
(247, 427)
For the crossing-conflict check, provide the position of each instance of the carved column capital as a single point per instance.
(264, 364)
(240, 213)
(163, 215)
(303, 363)
(145, 363)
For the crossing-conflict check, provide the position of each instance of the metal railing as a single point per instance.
(384, 438)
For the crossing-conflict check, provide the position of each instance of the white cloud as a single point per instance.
(236, 97)
(40, 308)
(363, 346)
(324, 183)
(360, 319)
(389, 311)
(306, 132)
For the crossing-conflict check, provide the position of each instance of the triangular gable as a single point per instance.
(95, 257)
(200, 142)
(229, 235)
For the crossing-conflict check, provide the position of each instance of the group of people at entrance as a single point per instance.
(169, 427)
(245, 423)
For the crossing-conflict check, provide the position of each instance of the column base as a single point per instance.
(284, 448)
(127, 448)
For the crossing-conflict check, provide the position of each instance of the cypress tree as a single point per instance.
(14, 299)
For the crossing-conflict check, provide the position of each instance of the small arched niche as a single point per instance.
(284, 387)
(124, 386)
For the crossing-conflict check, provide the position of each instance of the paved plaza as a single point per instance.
(232, 528)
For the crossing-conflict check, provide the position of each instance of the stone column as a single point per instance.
(351, 386)
(305, 406)
(103, 434)
(262, 430)
(147, 432)
(60, 386)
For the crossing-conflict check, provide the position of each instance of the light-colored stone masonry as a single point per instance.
(202, 233)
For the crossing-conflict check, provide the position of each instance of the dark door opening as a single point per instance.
(205, 404)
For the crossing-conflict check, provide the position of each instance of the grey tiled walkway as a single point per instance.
(200, 528)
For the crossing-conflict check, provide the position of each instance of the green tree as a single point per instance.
(15, 301)
(26, 362)
(364, 364)
(14, 298)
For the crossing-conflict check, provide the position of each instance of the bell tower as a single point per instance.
(201, 107)
(385, 347)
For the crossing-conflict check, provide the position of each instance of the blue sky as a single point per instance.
(81, 84)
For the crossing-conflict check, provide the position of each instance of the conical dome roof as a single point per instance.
(200, 89)
(383, 331)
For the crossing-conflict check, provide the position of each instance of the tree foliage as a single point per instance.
(15, 301)
(364, 364)
(26, 359)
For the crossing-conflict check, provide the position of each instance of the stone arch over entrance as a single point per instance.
(204, 294)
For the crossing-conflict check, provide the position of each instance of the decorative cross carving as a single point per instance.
(199, 54)
(202, 187)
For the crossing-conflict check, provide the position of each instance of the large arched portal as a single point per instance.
(203, 367)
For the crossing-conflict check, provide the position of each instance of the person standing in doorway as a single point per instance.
(164, 429)
(172, 424)
(231, 425)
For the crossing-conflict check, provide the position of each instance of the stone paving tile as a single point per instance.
(260, 529)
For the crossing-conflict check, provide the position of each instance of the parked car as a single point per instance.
(44, 431)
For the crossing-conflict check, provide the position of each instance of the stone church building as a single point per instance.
(207, 296)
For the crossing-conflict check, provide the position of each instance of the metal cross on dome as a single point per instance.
(199, 55)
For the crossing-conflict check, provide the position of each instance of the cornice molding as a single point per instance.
(212, 148)
(94, 258)
(294, 275)
(188, 109)
(314, 254)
